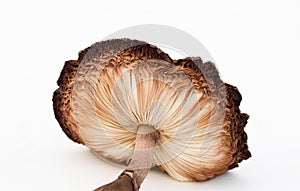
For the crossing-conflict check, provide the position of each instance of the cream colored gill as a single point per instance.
(152, 92)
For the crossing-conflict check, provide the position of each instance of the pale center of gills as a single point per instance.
(153, 93)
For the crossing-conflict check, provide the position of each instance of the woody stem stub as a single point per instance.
(140, 162)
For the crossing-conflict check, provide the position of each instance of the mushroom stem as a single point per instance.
(140, 163)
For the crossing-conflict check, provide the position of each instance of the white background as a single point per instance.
(256, 45)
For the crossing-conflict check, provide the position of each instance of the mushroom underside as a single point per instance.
(119, 85)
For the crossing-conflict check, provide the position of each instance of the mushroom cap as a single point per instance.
(119, 84)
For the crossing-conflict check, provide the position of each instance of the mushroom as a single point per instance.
(130, 102)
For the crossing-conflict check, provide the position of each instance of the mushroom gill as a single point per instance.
(130, 102)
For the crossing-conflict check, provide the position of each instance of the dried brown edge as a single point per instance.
(62, 98)
(236, 126)
(136, 53)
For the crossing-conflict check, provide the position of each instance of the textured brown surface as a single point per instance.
(62, 98)
(236, 124)
(62, 101)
